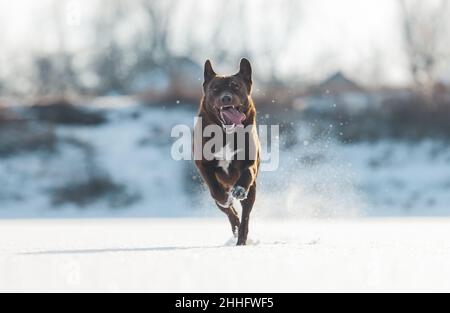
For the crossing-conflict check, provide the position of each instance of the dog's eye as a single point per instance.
(235, 86)
(215, 89)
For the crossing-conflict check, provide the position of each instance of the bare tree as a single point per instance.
(278, 36)
(110, 54)
(2, 74)
(159, 15)
(425, 34)
(117, 61)
(236, 22)
(53, 72)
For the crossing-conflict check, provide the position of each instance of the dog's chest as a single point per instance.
(225, 165)
(225, 157)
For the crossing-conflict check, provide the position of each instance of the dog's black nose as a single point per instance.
(226, 99)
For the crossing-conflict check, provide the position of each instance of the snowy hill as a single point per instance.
(123, 168)
(193, 255)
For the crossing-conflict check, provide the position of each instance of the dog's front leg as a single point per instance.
(245, 191)
(247, 207)
(218, 192)
(242, 187)
(222, 197)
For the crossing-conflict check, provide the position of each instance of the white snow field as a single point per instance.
(182, 255)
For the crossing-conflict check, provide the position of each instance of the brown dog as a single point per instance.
(227, 103)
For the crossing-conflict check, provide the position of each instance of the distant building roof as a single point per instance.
(338, 83)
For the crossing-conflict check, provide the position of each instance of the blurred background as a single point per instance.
(90, 90)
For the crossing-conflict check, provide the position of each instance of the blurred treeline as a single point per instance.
(145, 46)
(128, 47)
(156, 49)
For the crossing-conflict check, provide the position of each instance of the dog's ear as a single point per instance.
(209, 73)
(246, 73)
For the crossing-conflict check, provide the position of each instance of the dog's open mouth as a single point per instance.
(231, 117)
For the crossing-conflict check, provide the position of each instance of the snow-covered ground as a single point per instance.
(194, 255)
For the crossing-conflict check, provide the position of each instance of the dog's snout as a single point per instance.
(226, 99)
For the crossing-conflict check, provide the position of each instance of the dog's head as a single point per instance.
(227, 97)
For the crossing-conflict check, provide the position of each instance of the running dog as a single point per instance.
(227, 103)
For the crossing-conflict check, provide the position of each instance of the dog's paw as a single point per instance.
(225, 202)
(231, 242)
(239, 193)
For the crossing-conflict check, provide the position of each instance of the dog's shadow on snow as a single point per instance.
(117, 250)
(133, 250)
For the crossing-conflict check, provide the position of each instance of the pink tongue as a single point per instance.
(233, 116)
